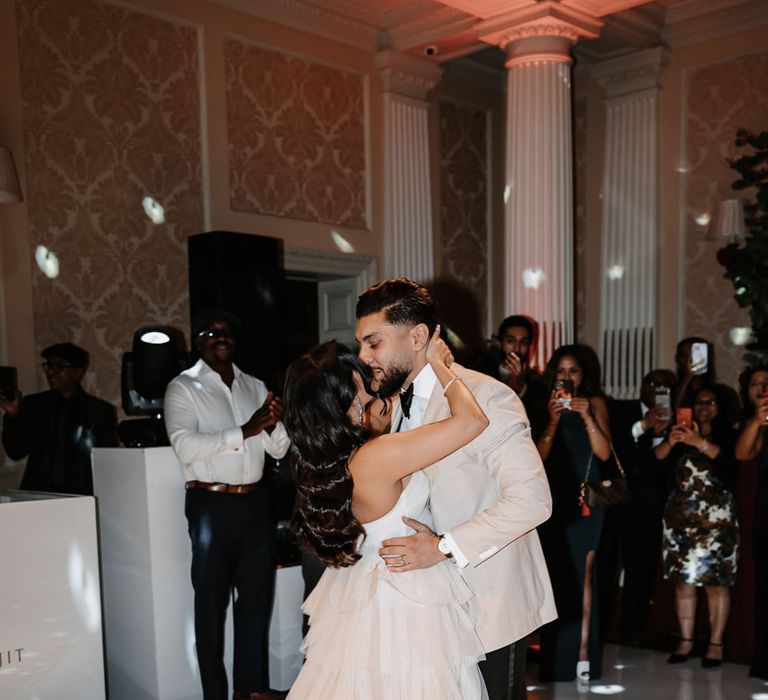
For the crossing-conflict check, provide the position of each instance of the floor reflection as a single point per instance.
(641, 674)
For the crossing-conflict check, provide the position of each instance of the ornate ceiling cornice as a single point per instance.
(408, 75)
(545, 18)
(684, 25)
(631, 73)
(312, 19)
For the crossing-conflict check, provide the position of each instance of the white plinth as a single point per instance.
(50, 608)
(148, 598)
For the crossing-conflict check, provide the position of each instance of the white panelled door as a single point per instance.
(336, 312)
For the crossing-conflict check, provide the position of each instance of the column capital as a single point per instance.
(632, 73)
(545, 31)
(407, 75)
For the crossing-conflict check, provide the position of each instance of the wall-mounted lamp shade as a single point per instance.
(728, 222)
(10, 190)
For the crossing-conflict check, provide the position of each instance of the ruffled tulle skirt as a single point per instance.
(375, 635)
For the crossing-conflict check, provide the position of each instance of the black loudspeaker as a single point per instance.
(243, 274)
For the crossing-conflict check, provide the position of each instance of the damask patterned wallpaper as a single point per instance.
(296, 137)
(462, 246)
(720, 98)
(111, 113)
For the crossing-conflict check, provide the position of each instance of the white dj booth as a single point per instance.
(50, 603)
(72, 603)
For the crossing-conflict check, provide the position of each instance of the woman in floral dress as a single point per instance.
(700, 530)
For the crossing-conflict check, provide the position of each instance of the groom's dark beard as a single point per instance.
(393, 381)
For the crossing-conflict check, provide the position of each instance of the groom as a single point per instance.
(486, 498)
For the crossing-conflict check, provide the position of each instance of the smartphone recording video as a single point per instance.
(664, 401)
(563, 392)
(699, 358)
(684, 416)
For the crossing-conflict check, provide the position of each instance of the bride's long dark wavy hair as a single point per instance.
(319, 390)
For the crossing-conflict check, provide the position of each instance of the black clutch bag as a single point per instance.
(608, 492)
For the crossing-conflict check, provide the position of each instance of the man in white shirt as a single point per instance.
(220, 422)
(486, 498)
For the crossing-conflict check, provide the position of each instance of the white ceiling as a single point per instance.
(452, 28)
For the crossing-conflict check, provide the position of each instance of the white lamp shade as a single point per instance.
(728, 222)
(10, 190)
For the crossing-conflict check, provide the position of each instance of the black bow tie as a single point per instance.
(406, 398)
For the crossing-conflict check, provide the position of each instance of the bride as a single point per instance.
(376, 635)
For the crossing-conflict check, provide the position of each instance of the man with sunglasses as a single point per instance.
(220, 423)
(56, 429)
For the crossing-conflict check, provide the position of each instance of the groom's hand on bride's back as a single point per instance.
(417, 551)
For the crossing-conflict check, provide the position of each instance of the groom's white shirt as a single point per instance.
(489, 497)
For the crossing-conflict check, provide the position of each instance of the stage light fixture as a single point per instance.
(156, 357)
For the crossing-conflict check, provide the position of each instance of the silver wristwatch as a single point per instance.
(444, 547)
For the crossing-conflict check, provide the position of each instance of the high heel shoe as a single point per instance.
(706, 662)
(681, 658)
(582, 671)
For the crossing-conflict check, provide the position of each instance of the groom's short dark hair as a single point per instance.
(403, 302)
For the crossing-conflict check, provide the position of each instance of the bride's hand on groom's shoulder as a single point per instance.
(417, 551)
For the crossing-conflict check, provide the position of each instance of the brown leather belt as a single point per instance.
(222, 488)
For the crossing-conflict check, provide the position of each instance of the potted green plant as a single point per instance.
(746, 262)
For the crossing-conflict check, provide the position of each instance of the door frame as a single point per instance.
(363, 268)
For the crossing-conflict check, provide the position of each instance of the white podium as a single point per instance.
(148, 598)
(50, 608)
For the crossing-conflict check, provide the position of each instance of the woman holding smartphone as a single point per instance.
(700, 530)
(752, 451)
(577, 433)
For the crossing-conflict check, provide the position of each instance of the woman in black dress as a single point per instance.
(752, 451)
(577, 437)
(700, 530)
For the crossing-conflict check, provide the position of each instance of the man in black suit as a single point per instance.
(57, 428)
(632, 532)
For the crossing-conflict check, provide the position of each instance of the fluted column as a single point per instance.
(628, 307)
(408, 243)
(538, 193)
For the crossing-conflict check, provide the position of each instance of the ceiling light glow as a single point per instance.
(615, 272)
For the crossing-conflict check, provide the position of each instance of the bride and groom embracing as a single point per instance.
(403, 612)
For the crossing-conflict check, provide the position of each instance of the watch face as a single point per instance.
(443, 546)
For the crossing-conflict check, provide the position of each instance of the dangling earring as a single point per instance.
(359, 405)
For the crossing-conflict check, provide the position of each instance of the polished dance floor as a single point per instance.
(641, 674)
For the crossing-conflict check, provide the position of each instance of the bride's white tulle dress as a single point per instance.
(376, 635)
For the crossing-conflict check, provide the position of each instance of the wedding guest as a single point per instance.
(576, 439)
(752, 451)
(221, 422)
(56, 429)
(700, 530)
(510, 361)
(632, 532)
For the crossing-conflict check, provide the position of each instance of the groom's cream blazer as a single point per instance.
(491, 495)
